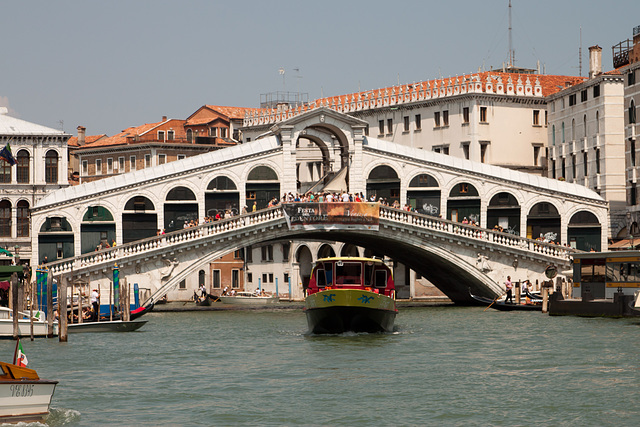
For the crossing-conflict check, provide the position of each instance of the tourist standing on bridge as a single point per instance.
(509, 286)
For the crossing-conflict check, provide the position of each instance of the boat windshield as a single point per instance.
(348, 273)
(324, 276)
(381, 279)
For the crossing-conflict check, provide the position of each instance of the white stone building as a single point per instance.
(41, 155)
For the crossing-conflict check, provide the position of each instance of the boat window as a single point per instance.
(348, 273)
(368, 274)
(381, 279)
(623, 272)
(324, 277)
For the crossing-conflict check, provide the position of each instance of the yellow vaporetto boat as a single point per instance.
(350, 294)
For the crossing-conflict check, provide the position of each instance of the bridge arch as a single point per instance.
(55, 239)
(139, 219)
(309, 177)
(383, 182)
(262, 184)
(464, 202)
(221, 195)
(584, 231)
(424, 194)
(504, 212)
(544, 221)
(340, 136)
(180, 208)
(349, 249)
(305, 261)
(97, 229)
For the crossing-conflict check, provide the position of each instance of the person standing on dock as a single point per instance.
(95, 303)
(509, 286)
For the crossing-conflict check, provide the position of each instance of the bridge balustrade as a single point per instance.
(475, 232)
(192, 234)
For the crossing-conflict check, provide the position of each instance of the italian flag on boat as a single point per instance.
(21, 358)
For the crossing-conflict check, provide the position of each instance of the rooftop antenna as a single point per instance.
(580, 53)
(61, 123)
(281, 71)
(511, 53)
(298, 77)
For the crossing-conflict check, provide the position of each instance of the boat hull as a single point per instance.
(337, 311)
(108, 326)
(25, 400)
(249, 300)
(503, 306)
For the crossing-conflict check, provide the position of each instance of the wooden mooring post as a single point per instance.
(62, 308)
(50, 304)
(14, 305)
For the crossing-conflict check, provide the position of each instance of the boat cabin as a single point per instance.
(351, 273)
(601, 274)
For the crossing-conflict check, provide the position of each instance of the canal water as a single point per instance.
(443, 366)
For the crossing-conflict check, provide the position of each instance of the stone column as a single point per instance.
(357, 180)
(288, 178)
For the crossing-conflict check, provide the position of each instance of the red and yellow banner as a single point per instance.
(332, 216)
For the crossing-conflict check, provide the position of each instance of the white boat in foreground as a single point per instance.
(40, 324)
(248, 298)
(24, 397)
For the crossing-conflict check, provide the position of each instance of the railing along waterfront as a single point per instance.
(139, 247)
(209, 229)
(476, 233)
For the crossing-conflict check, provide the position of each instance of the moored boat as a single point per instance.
(24, 397)
(505, 306)
(106, 326)
(40, 325)
(350, 294)
(248, 298)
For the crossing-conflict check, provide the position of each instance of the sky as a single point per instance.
(109, 65)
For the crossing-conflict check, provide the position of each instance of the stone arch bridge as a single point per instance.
(451, 238)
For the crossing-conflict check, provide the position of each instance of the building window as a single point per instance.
(418, 122)
(585, 161)
(564, 168)
(183, 284)
(270, 277)
(445, 150)
(267, 253)
(536, 117)
(132, 163)
(215, 279)
(98, 166)
(596, 91)
(597, 160)
(573, 167)
(189, 135)
(465, 150)
(445, 118)
(633, 195)
(389, 126)
(235, 278)
(465, 115)
(583, 96)
(249, 277)
(264, 277)
(249, 254)
(85, 167)
(223, 132)
(5, 218)
(632, 112)
(553, 134)
(406, 123)
(147, 160)
(160, 135)
(5, 172)
(483, 114)
(381, 126)
(632, 152)
(553, 169)
(51, 167)
(162, 159)
(631, 78)
(22, 169)
(572, 100)
(121, 164)
(563, 133)
(110, 165)
(181, 157)
(213, 132)
(23, 218)
(286, 278)
(436, 119)
(170, 135)
(536, 154)
(366, 130)
(286, 248)
(483, 152)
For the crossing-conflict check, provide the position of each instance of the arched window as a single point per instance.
(51, 167)
(597, 122)
(181, 193)
(5, 218)
(553, 135)
(563, 132)
(573, 129)
(632, 112)
(189, 135)
(23, 218)
(22, 174)
(584, 126)
(5, 172)
(262, 173)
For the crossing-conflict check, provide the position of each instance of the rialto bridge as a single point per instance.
(542, 220)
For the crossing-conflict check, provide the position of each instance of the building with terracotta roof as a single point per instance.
(41, 156)
(215, 124)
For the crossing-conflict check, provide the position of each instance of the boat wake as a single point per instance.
(60, 417)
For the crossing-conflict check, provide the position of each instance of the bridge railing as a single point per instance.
(117, 253)
(475, 232)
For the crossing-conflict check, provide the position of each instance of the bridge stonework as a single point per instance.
(454, 256)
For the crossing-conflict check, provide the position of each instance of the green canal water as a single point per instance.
(443, 366)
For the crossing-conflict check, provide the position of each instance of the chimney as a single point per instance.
(81, 135)
(595, 61)
(164, 118)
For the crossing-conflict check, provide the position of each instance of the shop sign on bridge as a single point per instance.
(332, 216)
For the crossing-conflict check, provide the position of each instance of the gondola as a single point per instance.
(204, 301)
(503, 306)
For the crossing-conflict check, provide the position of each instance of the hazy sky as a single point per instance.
(111, 64)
